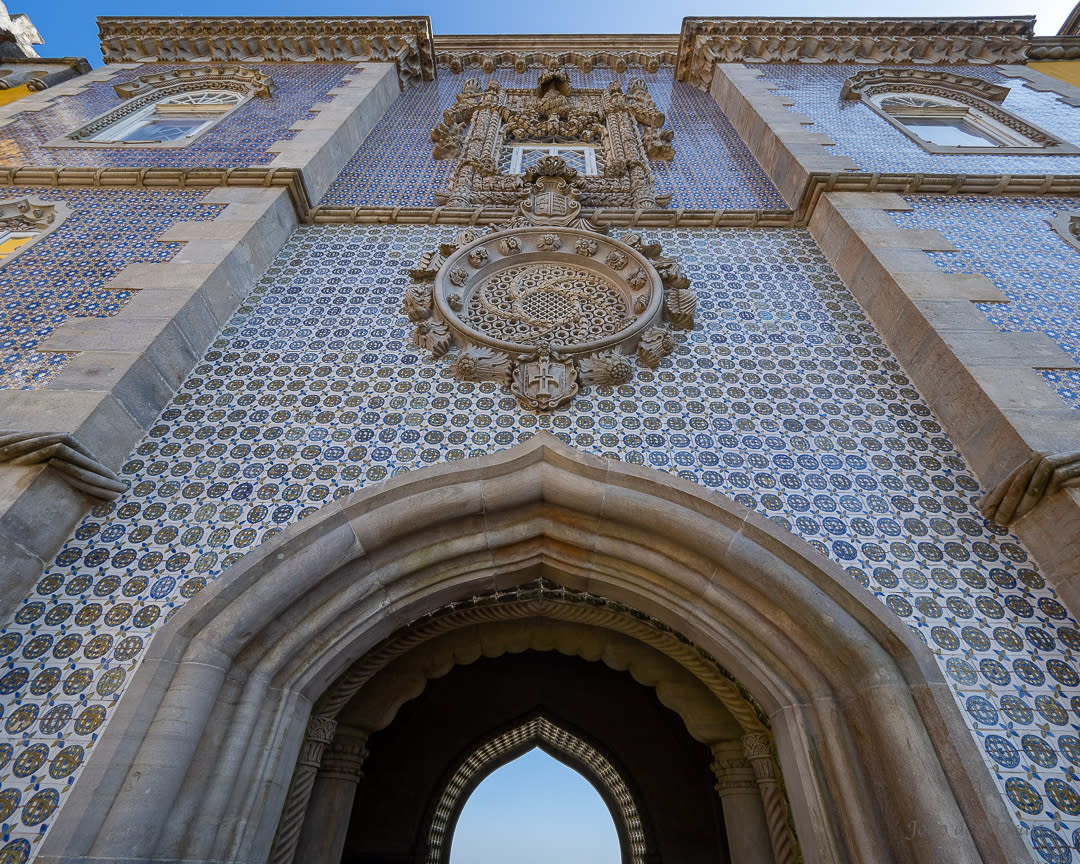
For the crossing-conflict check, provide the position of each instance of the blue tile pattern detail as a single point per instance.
(783, 397)
(712, 168)
(239, 140)
(1009, 241)
(63, 275)
(875, 145)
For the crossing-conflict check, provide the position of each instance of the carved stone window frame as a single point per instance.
(29, 217)
(959, 97)
(148, 91)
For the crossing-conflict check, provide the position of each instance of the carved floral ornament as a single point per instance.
(625, 128)
(547, 303)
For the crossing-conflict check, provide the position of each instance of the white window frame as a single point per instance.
(941, 107)
(165, 107)
(518, 152)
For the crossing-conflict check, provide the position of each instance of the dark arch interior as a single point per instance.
(409, 761)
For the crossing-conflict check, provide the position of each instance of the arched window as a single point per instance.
(947, 113)
(173, 118)
(171, 109)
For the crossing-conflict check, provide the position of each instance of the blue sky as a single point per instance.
(69, 28)
(535, 810)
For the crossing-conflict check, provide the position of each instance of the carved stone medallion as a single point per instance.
(546, 303)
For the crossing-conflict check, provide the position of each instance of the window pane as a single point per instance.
(949, 132)
(164, 130)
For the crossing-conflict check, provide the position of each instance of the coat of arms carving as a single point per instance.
(546, 302)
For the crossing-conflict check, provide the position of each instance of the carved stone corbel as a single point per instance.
(1039, 477)
(79, 467)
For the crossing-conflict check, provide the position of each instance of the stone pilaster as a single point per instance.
(322, 838)
(744, 818)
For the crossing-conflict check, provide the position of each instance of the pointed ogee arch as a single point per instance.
(197, 760)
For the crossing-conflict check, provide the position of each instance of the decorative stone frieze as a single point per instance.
(1049, 48)
(1029, 484)
(74, 461)
(404, 40)
(625, 128)
(228, 77)
(705, 42)
(872, 81)
(618, 53)
(546, 302)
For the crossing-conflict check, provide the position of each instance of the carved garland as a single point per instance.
(546, 302)
(150, 89)
(481, 122)
(619, 61)
(539, 730)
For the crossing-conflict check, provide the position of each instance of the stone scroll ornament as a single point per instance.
(76, 464)
(1027, 485)
(546, 303)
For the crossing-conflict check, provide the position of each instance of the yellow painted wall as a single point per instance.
(1066, 71)
(13, 93)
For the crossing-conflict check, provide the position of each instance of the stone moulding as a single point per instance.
(1045, 48)
(704, 42)
(585, 52)
(404, 40)
(75, 463)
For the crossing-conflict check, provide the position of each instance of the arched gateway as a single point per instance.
(324, 632)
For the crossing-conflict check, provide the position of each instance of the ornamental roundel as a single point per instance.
(546, 303)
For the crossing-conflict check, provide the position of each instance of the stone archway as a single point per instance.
(196, 763)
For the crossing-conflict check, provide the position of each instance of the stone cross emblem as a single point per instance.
(544, 380)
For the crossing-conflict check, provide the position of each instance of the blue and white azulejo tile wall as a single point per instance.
(1009, 240)
(783, 397)
(712, 168)
(63, 275)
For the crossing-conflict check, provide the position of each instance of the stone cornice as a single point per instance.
(1054, 48)
(704, 42)
(405, 40)
(584, 51)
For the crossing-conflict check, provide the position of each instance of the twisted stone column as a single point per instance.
(320, 732)
(322, 838)
(759, 755)
(744, 819)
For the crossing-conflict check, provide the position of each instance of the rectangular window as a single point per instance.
(517, 158)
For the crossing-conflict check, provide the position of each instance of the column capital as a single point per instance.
(734, 774)
(344, 759)
(320, 732)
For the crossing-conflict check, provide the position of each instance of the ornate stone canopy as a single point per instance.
(548, 302)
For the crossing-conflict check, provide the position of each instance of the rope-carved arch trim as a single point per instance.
(150, 89)
(493, 753)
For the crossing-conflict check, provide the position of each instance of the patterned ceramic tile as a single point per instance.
(1009, 241)
(875, 145)
(712, 167)
(240, 140)
(62, 275)
(783, 397)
